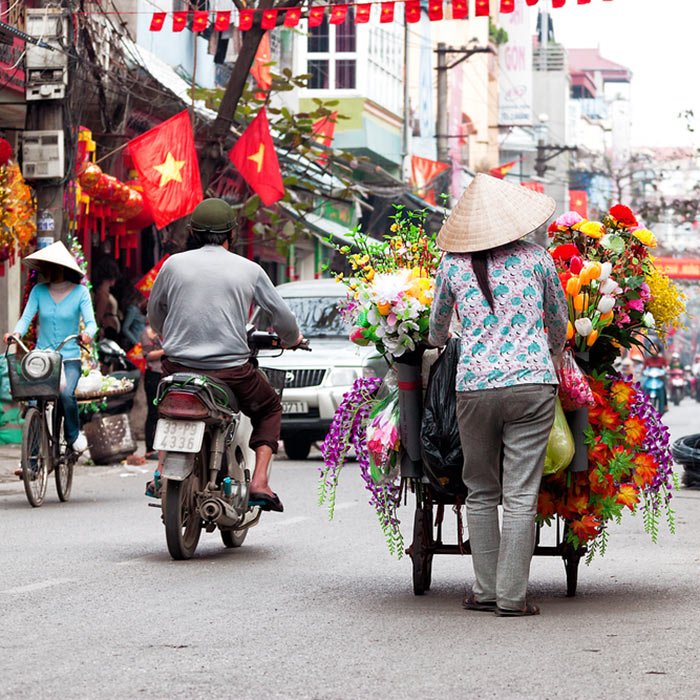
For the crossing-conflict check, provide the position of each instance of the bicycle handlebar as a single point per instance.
(15, 339)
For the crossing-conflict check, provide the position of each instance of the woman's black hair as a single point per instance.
(72, 276)
(480, 265)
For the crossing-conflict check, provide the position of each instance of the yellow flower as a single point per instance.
(592, 229)
(667, 302)
(394, 227)
(645, 237)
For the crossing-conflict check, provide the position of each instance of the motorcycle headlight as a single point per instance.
(342, 376)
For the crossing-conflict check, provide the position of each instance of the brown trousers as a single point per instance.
(256, 398)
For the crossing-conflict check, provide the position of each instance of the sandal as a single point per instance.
(266, 502)
(151, 489)
(471, 603)
(529, 609)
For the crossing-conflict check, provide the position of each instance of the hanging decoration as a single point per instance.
(17, 209)
(338, 14)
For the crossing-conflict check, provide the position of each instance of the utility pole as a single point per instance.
(47, 80)
(442, 68)
(405, 133)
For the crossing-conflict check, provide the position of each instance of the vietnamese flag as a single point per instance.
(578, 202)
(502, 170)
(323, 131)
(166, 161)
(255, 159)
(261, 65)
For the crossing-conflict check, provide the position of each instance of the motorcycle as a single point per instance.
(677, 385)
(653, 384)
(204, 474)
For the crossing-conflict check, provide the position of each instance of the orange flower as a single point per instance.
(578, 504)
(645, 469)
(609, 418)
(569, 330)
(592, 337)
(545, 505)
(598, 453)
(601, 484)
(622, 393)
(586, 528)
(573, 286)
(635, 430)
(581, 302)
(628, 496)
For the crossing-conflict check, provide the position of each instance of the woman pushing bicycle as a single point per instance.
(60, 302)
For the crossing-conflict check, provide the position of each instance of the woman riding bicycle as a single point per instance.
(60, 303)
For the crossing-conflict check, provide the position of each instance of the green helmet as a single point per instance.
(212, 216)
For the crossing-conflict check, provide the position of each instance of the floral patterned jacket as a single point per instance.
(513, 344)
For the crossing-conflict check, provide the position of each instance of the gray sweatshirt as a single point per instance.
(200, 304)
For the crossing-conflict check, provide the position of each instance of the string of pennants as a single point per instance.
(199, 20)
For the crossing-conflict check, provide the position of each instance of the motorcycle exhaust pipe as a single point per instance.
(215, 510)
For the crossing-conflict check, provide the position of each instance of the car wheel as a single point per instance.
(297, 448)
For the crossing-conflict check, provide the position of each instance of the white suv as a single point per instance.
(316, 381)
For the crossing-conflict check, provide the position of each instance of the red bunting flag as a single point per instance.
(338, 14)
(507, 6)
(316, 16)
(222, 21)
(200, 21)
(157, 21)
(558, 3)
(423, 172)
(531, 2)
(435, 10)
(292, 17)
(269, 19)
(324, 128)
(502, 170)
(166, 161)
(387, 13)
(482, 8)
(460, 9)
(362, 13)
(583, 2)
(179, 21)
(412, 11)
(254, 157)
(145, 284)
(245, 20)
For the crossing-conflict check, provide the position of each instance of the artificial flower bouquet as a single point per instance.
(390, 288)
(615, 292)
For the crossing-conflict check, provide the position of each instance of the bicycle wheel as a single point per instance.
(64, 459)
(35, 456)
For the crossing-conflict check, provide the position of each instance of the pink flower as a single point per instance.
(622, 319)
(645, 291)
(568, 219)
(636, 304)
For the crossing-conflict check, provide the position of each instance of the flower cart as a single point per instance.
(608, 453)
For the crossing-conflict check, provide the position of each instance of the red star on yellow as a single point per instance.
(258, 157)
(169, 170)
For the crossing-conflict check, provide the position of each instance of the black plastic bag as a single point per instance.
(442, 449)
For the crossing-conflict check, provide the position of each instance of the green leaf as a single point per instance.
(288, 229)
(290, 180)
(251, 207)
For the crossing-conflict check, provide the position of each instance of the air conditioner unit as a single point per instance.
(43, 155)
(46, 70)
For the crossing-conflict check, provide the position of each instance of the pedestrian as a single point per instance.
(514, 316)
(134, 317)
(106, 306)
(61, 303)
(153, 353)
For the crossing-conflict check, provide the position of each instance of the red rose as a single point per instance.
(623, 215)
(565, 251)
(553, 228)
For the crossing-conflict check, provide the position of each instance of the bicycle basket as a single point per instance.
(276, 377)
(46, 386)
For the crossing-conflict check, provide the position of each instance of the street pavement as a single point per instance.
(92, 605)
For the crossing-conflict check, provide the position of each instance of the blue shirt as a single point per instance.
(58, 321)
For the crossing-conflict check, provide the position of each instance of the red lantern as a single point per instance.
(133, 205)
(5, 151)
(90, 177)
(106, 188)
(145, 217)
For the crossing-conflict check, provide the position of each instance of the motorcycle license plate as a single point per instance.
(178, 435)
(295, 407)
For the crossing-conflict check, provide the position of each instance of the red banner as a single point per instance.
(679, 268)
(534, 186)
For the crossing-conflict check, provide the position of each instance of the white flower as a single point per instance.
(605, 270)
(605, 304)
(583, 326)
(648, 320)
(387, 287)
(608, 286)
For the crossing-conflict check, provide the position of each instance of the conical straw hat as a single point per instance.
(491, 213)
(56, 254)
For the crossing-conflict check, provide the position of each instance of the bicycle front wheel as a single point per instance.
(35, 456)
(64, 476)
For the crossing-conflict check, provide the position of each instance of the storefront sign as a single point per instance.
(340, 213)
(679, 268)
(515, 68)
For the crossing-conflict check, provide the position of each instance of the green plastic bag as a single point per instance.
(560, 447)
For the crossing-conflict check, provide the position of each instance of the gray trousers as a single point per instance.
(506, 427)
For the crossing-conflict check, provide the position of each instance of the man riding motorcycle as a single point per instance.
(200, 304)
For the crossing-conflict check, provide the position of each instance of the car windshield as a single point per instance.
(318, 316)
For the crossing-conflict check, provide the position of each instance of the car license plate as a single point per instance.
(178, 435)
(295, 407)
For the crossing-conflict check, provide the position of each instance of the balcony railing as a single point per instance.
(593, 107)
